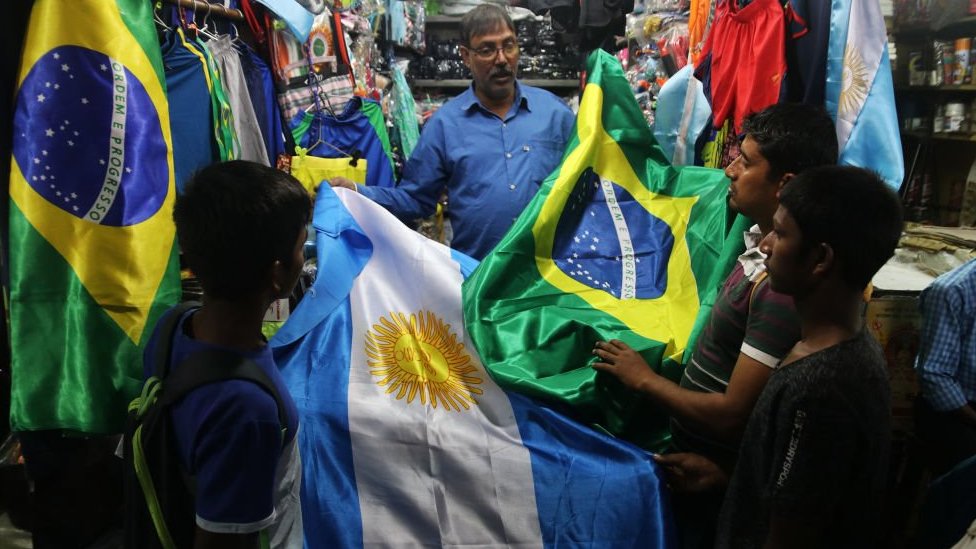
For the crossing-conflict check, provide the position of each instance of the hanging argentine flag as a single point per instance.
(92, 256)
(407, 441)
(617, 243)
(860, 94)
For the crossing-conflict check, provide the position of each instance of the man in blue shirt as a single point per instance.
(946, 367)
(490, 147)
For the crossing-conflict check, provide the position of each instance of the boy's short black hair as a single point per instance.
(793, 137)
(851, 209)
(234, 220)
(483, 19)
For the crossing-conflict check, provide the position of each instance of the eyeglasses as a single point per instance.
(487, 53)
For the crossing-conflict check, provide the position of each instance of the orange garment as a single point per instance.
(697, 26)
(748, 58)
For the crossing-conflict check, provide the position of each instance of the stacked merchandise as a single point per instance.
(938, 189)
(407, 20)
(460, 7)
(657, 37)
(545, 53)
(937, 250)
(933, 14)
(441, 61)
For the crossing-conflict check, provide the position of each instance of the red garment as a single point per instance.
(748, 59)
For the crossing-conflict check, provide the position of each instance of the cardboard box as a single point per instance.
(894, 320)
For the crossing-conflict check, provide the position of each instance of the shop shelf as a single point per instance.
(940, 136)
(945, 88)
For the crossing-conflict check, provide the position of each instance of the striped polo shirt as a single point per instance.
(765, 333)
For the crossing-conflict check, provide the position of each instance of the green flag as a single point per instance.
(92, 254)
(616, 244)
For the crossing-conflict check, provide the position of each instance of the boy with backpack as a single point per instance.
(227, 421)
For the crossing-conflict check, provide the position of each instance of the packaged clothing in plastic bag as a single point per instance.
(404, 111)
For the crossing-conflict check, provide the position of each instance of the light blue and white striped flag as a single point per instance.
(407, 441)
(859, 92)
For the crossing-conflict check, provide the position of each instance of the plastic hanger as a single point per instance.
(192, 27)
(159, 20)
(236, 35)
(206, 31)
(353, 157)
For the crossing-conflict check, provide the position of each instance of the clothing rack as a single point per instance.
(202, 6)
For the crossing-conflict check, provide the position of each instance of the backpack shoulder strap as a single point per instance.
(213, 365)
(763, 276)
(164, 340)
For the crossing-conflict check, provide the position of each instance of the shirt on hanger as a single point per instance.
(245, 121)
(188, 93)
(260, 88)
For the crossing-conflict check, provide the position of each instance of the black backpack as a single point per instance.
(159, 497)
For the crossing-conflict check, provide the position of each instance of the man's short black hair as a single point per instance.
(234, 220)
(851, 209)
(483, 19)
(793, 137)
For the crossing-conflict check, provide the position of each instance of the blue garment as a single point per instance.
(189, 109)
(257, 76)
(490, 167)
(946, 363)
(228, 437)
(337, 136)
(806, 52)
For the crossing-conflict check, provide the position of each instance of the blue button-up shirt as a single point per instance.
(946, 364)
(491, 167)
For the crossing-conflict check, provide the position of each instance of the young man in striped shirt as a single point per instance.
(751, 327)
(812, 466)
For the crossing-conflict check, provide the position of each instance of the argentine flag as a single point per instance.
(407, 441)
(859, 92)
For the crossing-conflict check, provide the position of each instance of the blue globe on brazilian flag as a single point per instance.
(618, 243)
(92, 254)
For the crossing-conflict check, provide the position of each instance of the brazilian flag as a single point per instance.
(92, 253)
(616, 244)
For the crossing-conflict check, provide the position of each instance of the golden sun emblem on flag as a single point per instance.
(854, 83)
(420, 356)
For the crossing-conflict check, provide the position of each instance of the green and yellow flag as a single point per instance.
(616, 244)
(92, 252)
